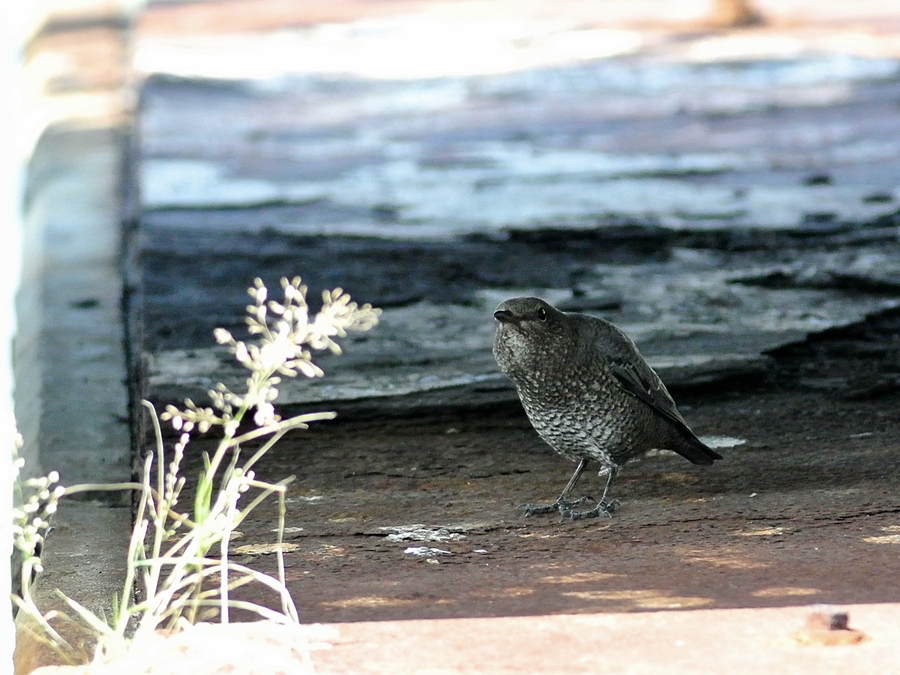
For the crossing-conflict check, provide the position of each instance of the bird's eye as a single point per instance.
(542, 314)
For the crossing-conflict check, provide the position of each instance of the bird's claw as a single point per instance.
(560, 505)
(604, 509)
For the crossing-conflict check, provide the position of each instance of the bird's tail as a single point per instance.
(696, 451)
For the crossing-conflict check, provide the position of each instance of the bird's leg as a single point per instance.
(561, 504)
(603, 507)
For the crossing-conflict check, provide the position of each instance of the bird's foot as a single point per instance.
(604, 509)
(560, 505)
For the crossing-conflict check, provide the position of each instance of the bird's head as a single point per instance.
(532, 336)
(530, 317)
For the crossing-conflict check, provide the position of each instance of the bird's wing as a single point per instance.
(631, 372)
(647, 387)
(644, 383)
(634, 374)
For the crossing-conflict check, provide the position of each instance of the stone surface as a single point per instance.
(714, 641)
(71, 397)
(694, 643)
(721, 196)
(801, 510)
(697, 314)
(718, 195)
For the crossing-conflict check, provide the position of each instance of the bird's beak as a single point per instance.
(505, 316)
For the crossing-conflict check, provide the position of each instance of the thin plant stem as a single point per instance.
(286, 608)
(135, 549)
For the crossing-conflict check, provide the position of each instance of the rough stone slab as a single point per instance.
(716, 198)
(698, 315)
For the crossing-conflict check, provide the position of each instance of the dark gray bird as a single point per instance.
(588, 393)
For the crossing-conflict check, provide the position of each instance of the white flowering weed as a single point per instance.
(169, 548)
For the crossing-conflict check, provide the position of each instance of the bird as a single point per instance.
(589, 394)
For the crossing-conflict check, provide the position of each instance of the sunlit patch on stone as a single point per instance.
(578, 577)
(785, 591)
(643, 599)
(762, 532)
(329, 551)
(368, 601)
(727, 559)
(511, 592)
(263, 549)
(883, 539)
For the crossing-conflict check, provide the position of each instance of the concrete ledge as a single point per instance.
(71, 399)
(691, 642)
